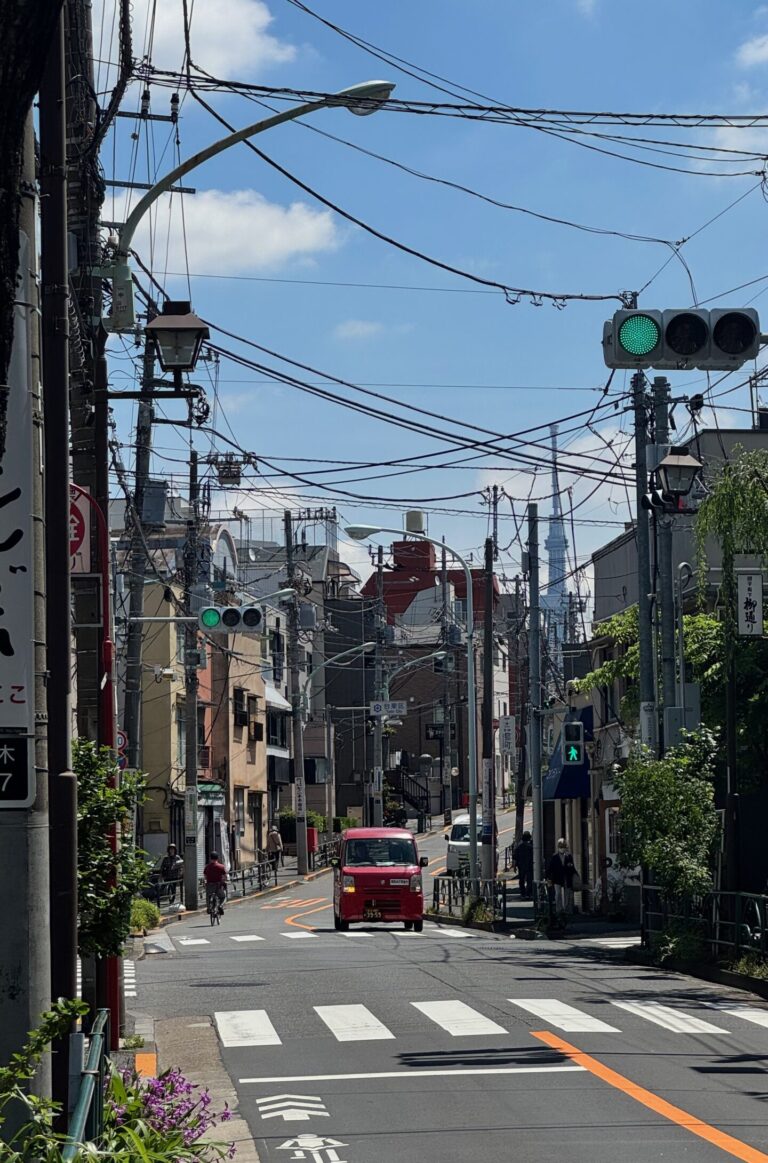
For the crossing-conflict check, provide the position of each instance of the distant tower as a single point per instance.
(555, 598)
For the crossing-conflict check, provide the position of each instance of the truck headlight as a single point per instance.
(347, 884)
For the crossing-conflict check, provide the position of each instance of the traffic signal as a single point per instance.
(573, 743)
(718, 340)
(230, 619)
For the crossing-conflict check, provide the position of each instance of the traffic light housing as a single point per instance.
(573, 744)
(677, 339)
(230, 620)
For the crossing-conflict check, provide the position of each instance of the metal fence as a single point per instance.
(735, 922)
(87, 1119)
(241, 882)
(452, 895)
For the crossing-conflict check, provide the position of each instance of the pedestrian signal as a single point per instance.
(573, 743)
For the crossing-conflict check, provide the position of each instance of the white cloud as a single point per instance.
(354, 329)
(228, 37)
(586, 7)
(357, 329)
(753, 52)
(232, 232)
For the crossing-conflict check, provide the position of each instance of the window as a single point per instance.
(239, 707)
(277, 735)
(181, 736)
(240, 811)
(181, 642)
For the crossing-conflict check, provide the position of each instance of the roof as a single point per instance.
(377, 833)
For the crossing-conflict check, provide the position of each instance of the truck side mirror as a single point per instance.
(335, 862)
(423, 861)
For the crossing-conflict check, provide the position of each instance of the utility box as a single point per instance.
(312, 843)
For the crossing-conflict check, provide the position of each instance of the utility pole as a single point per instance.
(62, 789)
(666, 578)
(445, 753)
(534, 697)
(132, 724)
(519, 708)
(642, 533)
(191, 559)
(25, 968)
(488, 802)
(378, 683)
(297, 717)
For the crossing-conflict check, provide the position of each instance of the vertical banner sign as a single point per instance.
(750, 603)
(17, 629)
(488, 812)
(378, 780)
(507, 734)
(190, 816)
(79, 532)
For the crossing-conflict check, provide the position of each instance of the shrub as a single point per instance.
(678, 943)
(750, 965)
(144, 915)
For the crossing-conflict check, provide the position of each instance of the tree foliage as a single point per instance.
(106, 881)
(668, 820)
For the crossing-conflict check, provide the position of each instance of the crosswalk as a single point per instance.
(358, 1023)
(245, 939)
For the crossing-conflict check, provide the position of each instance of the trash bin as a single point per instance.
(312, 843)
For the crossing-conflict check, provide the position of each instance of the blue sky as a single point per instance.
(473, 356)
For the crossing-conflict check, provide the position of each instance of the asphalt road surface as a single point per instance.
(380, 1045)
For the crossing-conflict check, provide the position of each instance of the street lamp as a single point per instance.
(677, 472)
(297, 713)
(414, 662)
(361, 533)
(361, 100)
(178, 335)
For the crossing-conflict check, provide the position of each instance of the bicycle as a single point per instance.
(215, 909)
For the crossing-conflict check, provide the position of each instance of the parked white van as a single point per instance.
(458, 842)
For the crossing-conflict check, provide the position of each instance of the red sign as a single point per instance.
(79, 533)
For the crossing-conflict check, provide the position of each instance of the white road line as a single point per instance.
(747, 1013)
(458, 1019)
(193, 940)
(564, 1017)
(298, 936)
(246, 937)
(450, 933)
(246, 1028)
(354, 1023)
(408, 1074)
(357, 934)
(668, 1018)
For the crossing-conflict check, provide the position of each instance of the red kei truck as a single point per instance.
(377, 877)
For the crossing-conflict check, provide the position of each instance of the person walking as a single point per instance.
(524, 864)
(171, 870)
(275, 848)
(560, 873)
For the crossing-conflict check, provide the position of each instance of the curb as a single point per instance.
(711, 973)
(251, 896)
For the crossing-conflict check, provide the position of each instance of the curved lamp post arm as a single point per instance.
(329, 662)
(407, 665)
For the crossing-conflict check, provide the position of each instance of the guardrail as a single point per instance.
(87, 1119)
(452, 895)
(241, 882)
(325, 853)
(735, 921)
(509, 857)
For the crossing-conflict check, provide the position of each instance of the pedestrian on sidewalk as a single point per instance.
(171, 870)
(524, 865)
(560, 873)
(275, 853)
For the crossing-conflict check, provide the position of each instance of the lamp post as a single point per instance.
(360, 99)
(361, 533)
(300, 706)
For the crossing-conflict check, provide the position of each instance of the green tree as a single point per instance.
(107, 881)
(668, 821)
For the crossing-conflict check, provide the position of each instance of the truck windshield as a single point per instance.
(380, 853)
(461, 832)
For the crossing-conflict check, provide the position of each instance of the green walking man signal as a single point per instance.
(573, 743)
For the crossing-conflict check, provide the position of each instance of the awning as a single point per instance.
(570, 781)
(210, 795)
(273, 698)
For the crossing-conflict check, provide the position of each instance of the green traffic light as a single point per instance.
(573, 754)
(639, 334)
(210, 619)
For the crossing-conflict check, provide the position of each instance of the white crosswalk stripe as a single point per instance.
(193, 940)
(564, 1017)
(246, 1028)
(748, 1013)
(668, 1018)
(244, 937)
(298, 936)
(353, 1023)
(457, 1018)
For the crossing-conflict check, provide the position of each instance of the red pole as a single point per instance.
(108, 733)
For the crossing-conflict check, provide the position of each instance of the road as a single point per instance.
(379, 1045)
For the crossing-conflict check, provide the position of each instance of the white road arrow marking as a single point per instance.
(292, 1107)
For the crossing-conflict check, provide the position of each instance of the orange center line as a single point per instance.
(438, 870)
(681, 1118)
(298, 925)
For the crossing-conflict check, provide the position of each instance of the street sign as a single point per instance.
(750, 590)
(392, 707)
(378, 780)
(437, 730)
(79, 532)
(190, 817)
(507, 734)
(17, 773)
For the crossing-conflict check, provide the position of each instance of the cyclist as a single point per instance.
(215, 876)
